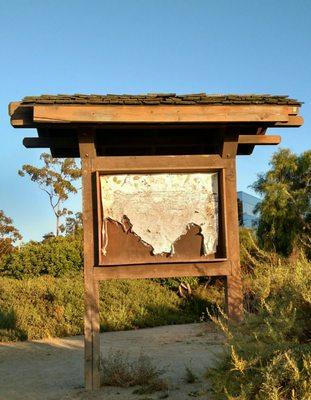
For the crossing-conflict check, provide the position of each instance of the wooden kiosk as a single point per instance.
(159, 183)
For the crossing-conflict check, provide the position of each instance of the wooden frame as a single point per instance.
(228, 266)
(172, 163)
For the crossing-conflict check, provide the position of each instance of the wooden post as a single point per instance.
(91, 320)
(233, 290)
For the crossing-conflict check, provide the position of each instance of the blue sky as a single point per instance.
(138, 46)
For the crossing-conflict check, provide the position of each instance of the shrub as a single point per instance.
(46, 306)
(55, 256)
(42, 307)
(118, 370)
(269, 354)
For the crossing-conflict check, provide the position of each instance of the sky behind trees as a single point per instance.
(139, 46)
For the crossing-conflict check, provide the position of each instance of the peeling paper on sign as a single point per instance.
(160, 208)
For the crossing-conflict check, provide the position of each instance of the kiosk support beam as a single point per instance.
(233, 288)
(91, 319)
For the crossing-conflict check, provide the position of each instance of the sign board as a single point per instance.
(156, 211)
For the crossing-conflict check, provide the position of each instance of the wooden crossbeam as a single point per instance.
(260, 139)
(21, 116)
(293, 121)
(211, 268)
(41, 143)
(65, 142)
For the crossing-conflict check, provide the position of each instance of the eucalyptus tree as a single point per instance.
(57, 178)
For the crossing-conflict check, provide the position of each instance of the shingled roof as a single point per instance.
(161, 98)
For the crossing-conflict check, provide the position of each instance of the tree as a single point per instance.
(285, 211)
(56, 179)
(8, 234)
(73, 225)
(48, 236)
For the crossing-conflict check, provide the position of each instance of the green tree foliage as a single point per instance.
(55, 256)
(285, 212)
(8, 234)
(73, 224)
(56, 178)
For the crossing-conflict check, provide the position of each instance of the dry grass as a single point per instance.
(119, 370)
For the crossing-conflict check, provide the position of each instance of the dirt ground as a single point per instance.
(53, 369)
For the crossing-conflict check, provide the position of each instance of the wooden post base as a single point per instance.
(92, 339)
(234, 297)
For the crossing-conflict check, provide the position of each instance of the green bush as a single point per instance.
(269, 354)
(61, 255)
(46, 306)
(55, 256)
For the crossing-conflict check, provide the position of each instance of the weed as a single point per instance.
(118, 370)
(190, 376)
(197, 393)
(164, 396)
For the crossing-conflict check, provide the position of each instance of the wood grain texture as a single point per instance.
(234, 297)
(230, 145)
(160, 113)
(21, 116)
(293, 121)
(208, 268)
(259, 139)
(145, 164)
(91, 320)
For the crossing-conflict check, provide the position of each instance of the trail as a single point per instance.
(53, 369)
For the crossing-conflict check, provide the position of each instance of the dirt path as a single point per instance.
(53, 369)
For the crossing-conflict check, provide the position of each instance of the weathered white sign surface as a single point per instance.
(162, 207)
